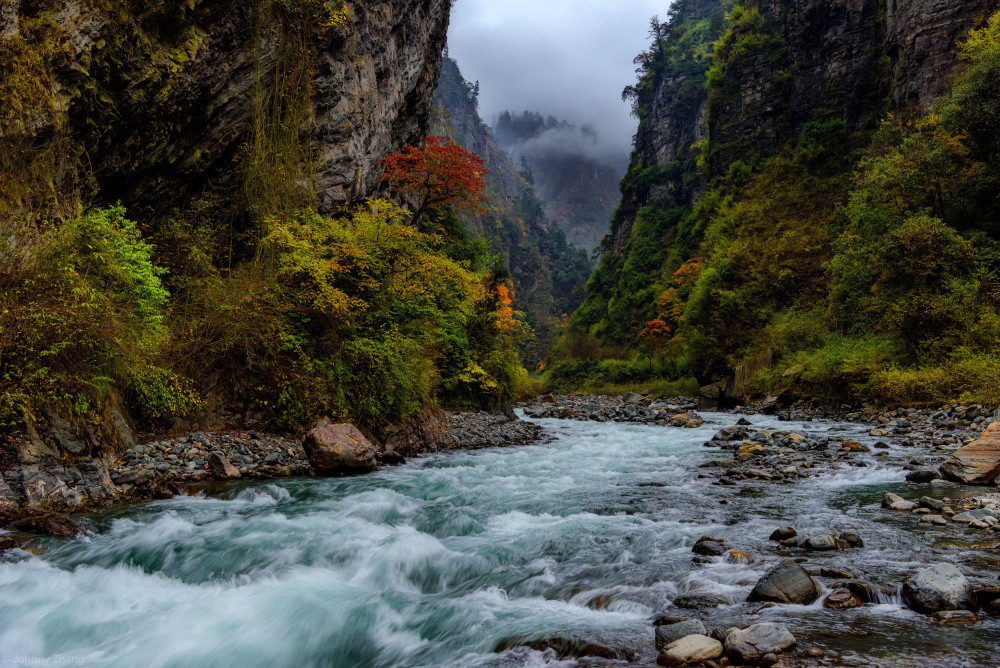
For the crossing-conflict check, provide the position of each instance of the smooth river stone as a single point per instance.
(786, 583)
(668, 633)
(939, 587)
(690, 650)
(977, 463)
(751, 644)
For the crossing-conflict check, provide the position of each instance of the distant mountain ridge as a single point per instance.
(576, 174)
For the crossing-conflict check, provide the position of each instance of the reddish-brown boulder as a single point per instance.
(977, 463)
(339, 449)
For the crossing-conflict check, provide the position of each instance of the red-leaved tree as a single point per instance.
(440, 173)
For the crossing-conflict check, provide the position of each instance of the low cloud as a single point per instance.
(568, 58)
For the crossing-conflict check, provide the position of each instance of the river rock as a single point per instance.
(835, 573)
(842, 599)
(339, 449)
(391, 458)
(855, 446)
(751, 644)
(52, 524)
(977, 463)
(939, 587)
(852, 539)
(427, 432)
(896, 502)
(737, 557)
(668, 633)
(973, 515)
(783, 533)
(933, 504)
(710, 547)
(698, 601)
(690, 650)
(822, 542)
(221, 467)
(922, 476)
(786, 583)
(567, 648)
(955, 617)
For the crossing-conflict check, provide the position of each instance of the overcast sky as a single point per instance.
(568, 58)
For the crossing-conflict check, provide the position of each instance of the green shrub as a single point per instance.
(83, 317)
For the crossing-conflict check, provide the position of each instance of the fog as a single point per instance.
(565, 58)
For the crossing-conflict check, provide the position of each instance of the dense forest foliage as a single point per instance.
(575, 173)
(548, 273)
(245, 301)
(856, 264)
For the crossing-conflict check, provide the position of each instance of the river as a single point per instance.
(442, 560)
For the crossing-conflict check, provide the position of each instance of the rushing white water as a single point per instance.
(438, 562)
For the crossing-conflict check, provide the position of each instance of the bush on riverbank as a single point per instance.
(360, 316)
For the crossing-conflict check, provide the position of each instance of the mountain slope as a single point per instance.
(547, 271)
(755, 222)
(576, 175)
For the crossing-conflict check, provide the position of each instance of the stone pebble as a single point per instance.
(185, 458)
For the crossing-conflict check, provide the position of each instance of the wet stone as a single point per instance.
(786, 583)
(668, 633)
(710, 547)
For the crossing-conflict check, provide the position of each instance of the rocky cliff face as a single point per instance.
(151, 104)
(154, 100)
(787, 62)
(847, 59)
(672, 108)
(921, 39)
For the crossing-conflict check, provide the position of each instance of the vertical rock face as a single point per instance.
(922, 38)
(846, 59)
(155, 102)
(817, 59)
(673, 122)
(374, 90)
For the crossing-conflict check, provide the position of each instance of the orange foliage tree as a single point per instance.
(655, 332)
(689, 272)
(439, 173)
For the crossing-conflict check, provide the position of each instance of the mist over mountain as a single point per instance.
(547, 272)
(575, 172)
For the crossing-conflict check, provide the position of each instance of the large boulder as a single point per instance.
(339, 449)
(842, 599)
(690, 650)
(668, 633)
(221, 467)
(749, 645)
(940, 587)
(786, 583)
(977, 463)
(823, 542)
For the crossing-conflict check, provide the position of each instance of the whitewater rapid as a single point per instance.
(441, 561)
